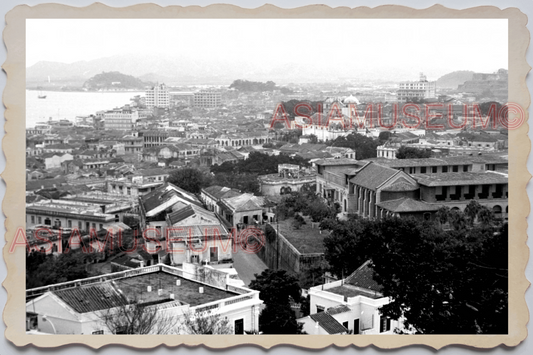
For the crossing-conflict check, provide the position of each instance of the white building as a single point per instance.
(77, 307)
(421, 89)
(120, 118)
(157, 96)
(349, 306)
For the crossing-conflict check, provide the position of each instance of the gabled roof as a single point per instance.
(244, 202)
(341, 161)
(328, 323)
(407, 205)
(463, 178)
(165, 196)
(189, 211)
(220, 192)
(373, 175)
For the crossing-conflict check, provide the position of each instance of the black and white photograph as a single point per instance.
(267, 176)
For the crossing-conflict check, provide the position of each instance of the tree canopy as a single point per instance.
(190, 179)
(47, 269)
(443, 281)
(405, 152)
(277, 288)
(365, 147)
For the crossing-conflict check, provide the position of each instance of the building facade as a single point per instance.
(157, 96)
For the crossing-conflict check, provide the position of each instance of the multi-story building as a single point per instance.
(68, 214)
(120, 118)
(157, 96)
(290, 178)
(76, 307)
(414, 187)
(421, 89)
(132, 145)
(207, 99)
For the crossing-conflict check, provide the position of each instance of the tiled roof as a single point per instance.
(342, 161)
(220, 192)
(364, 277)
(91, 298)
(401, 186)
(164, 193)
(373, 175)
(328, 323)
(191, 210)
(464, 178)
(244, 202)
(407, 205)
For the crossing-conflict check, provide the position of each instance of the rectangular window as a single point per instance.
(319, 308)
(434, 169)
(455, 168)
(384, 324)
(101, 226)
(465, 168)
(213, 251)
(356, 326)
(39, 220)
(69, 223)
(423, 170)
(412, 170)
(32, 219)
(444, 169)
(79, 225)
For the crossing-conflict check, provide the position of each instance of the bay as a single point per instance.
(67, 105)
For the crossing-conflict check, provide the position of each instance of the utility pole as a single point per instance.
(277, 236)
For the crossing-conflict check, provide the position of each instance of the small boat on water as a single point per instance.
(41, 95)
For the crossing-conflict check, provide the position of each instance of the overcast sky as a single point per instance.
(429, 45)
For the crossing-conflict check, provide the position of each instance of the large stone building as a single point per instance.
(417, 187)
(421, 89)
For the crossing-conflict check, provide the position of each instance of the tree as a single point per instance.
(405, 152)
(442, 282)
(42, 269)
(190, 179)
(277, 288)
(206, 323)
(138, 318)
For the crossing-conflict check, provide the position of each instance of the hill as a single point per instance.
(454, 79)
(114, 81)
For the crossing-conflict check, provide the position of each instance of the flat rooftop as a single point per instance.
(187, 292)
(351, 291)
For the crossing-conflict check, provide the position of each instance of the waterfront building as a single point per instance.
(157, 96)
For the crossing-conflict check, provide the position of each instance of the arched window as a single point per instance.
(497, 210)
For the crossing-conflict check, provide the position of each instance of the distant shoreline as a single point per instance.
(84, 91)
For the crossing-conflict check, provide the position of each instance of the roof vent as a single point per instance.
(149, 288)
(201, 290)
(160, 292)
(178, 282)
